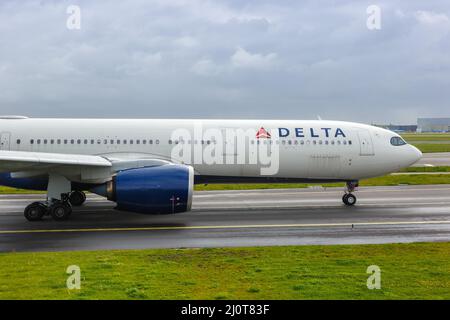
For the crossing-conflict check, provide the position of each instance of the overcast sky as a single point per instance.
(230, 59)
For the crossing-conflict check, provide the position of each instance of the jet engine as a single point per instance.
(164, 189)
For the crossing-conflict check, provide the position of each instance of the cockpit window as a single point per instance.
(397, 141)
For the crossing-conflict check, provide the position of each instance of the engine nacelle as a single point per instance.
(161, 189)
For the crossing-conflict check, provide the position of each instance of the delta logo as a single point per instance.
(263, 134)
(302, 133)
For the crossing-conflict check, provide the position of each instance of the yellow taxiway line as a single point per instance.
(251, 226)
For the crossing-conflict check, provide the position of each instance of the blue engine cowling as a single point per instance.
(154, 190)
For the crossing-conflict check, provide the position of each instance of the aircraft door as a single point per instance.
(365, 143)
(4, 140)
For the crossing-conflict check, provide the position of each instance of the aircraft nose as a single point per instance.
(414, 154)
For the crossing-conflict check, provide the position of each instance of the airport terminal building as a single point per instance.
(433, 124)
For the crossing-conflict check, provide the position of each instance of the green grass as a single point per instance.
(426, 169)
(8, 190)
(408, 179)
(432, 148)
(408, 271)
(426, 137)
(424, 141)
(390, 180)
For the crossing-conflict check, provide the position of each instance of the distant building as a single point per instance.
(399, 127)
(433, 124)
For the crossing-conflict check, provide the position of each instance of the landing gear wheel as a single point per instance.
(349, 199)
(35, 211)
(60, 211)
(77, 198)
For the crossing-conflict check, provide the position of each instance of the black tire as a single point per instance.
(77, 198)
(344, 198)
(350, 200)
(35, 211)
(60, 211)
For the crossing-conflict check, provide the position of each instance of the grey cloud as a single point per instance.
(234, 59)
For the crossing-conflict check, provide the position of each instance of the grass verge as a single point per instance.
(432, 147)
(408, 271)
(407, 179)
(427, 169)
(426, 137)
(8, 190)
(390, 180)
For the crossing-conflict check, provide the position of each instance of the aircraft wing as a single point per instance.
(23, 160)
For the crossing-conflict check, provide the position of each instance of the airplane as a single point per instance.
(150, 166)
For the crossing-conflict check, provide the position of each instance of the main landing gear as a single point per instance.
(59, 210)
(77, 198)
(349, 198)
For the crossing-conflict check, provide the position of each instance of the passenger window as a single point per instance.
(144, 141)
(38, 141)
(131, 141)
(32, 141)
(79, 141)
(157, 141)
(85, 141)
(58, 141)
(45, 141)
(52, 141)
(118, 141)
(112, 141)
(72, 141)
(138, 141)
(18, 141)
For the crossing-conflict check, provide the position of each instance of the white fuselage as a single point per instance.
(316, 150)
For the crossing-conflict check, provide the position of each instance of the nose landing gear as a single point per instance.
(349, 198)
